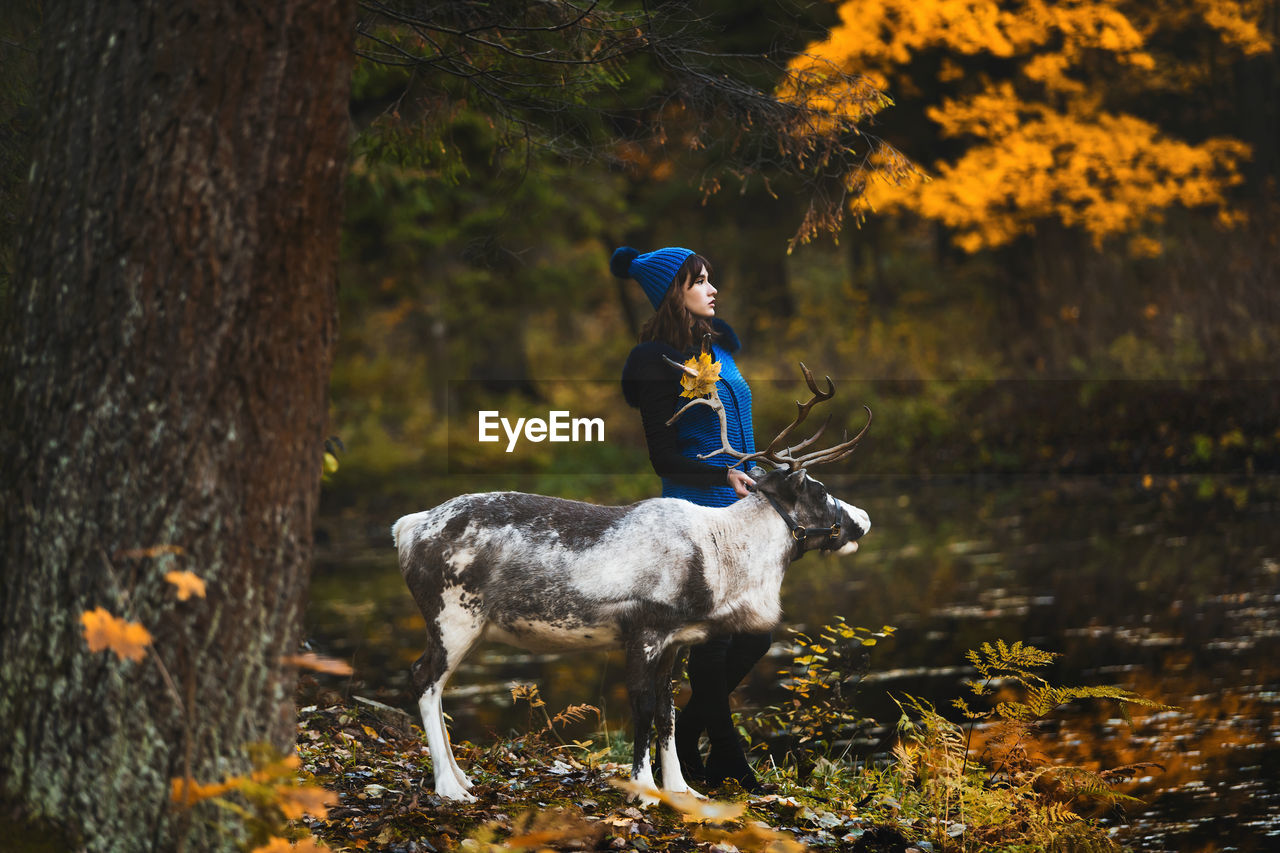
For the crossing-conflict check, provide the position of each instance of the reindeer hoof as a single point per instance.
(454, 792)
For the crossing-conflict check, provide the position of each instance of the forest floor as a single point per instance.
(536, 793)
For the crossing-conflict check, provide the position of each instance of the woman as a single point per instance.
(678, 284)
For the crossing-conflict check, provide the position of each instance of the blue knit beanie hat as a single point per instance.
(654, 270)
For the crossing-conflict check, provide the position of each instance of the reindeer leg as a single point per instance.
(645, 651)
(672, 777)
(451, 634)
(462, 777)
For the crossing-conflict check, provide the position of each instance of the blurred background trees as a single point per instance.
(1099, 204)
(1116, 160)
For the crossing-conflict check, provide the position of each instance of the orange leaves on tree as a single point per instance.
(1044, 135)
(187, 584)
(700, 376)
(318, 663)
(106, 632)
(1240, 23)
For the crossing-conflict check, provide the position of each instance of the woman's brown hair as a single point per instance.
(673, 323)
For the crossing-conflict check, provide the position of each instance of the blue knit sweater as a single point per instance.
(653, 386)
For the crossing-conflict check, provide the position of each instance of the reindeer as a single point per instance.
(547, 574)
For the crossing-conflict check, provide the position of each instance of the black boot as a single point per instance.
(727, 761)
(689, 729)
(715, 668)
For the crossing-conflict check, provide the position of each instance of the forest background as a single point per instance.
(1083, 285)
(1098, 208)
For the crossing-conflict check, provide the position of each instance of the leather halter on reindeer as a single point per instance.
(548, 574)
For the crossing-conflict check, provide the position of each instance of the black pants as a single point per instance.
(716, 667)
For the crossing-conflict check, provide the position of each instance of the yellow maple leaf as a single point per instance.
(187, 584)
(702, 380)
(103, 631)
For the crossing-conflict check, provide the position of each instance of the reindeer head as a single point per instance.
(817, 520)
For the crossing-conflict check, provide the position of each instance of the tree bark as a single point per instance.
(164, 382)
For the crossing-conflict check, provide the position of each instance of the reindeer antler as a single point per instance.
(713, 402)
(833, 454)
(802, 412)
(776, 453)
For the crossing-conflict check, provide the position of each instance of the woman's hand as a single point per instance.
(742, 484)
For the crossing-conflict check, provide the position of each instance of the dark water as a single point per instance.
(1169, 587)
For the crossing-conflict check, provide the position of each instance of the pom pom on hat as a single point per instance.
(620, 263)
(654, 270)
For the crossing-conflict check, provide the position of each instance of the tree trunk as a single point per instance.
(164, 381)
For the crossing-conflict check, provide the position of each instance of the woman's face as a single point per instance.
(700, 296)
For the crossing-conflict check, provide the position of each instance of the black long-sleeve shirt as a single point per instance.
(653, 386)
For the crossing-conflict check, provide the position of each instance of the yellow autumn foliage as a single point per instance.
(700, 376)
(277, 784)
(103, 632)
(187, 584)
(1037, 136)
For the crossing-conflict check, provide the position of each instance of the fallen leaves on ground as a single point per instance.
(533, 795)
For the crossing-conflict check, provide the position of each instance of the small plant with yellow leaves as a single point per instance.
(819, 720)
(586, 749)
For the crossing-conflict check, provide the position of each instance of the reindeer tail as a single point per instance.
(398, 528)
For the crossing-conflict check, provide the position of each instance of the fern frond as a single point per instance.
(905, 757)
(1060, 813)
(1016, 711)
(1115, 694)
(1127, 772)
(1020, 659)
(576, 713)
(1080, 837)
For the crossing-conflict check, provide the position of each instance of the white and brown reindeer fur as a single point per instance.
(547, 574)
